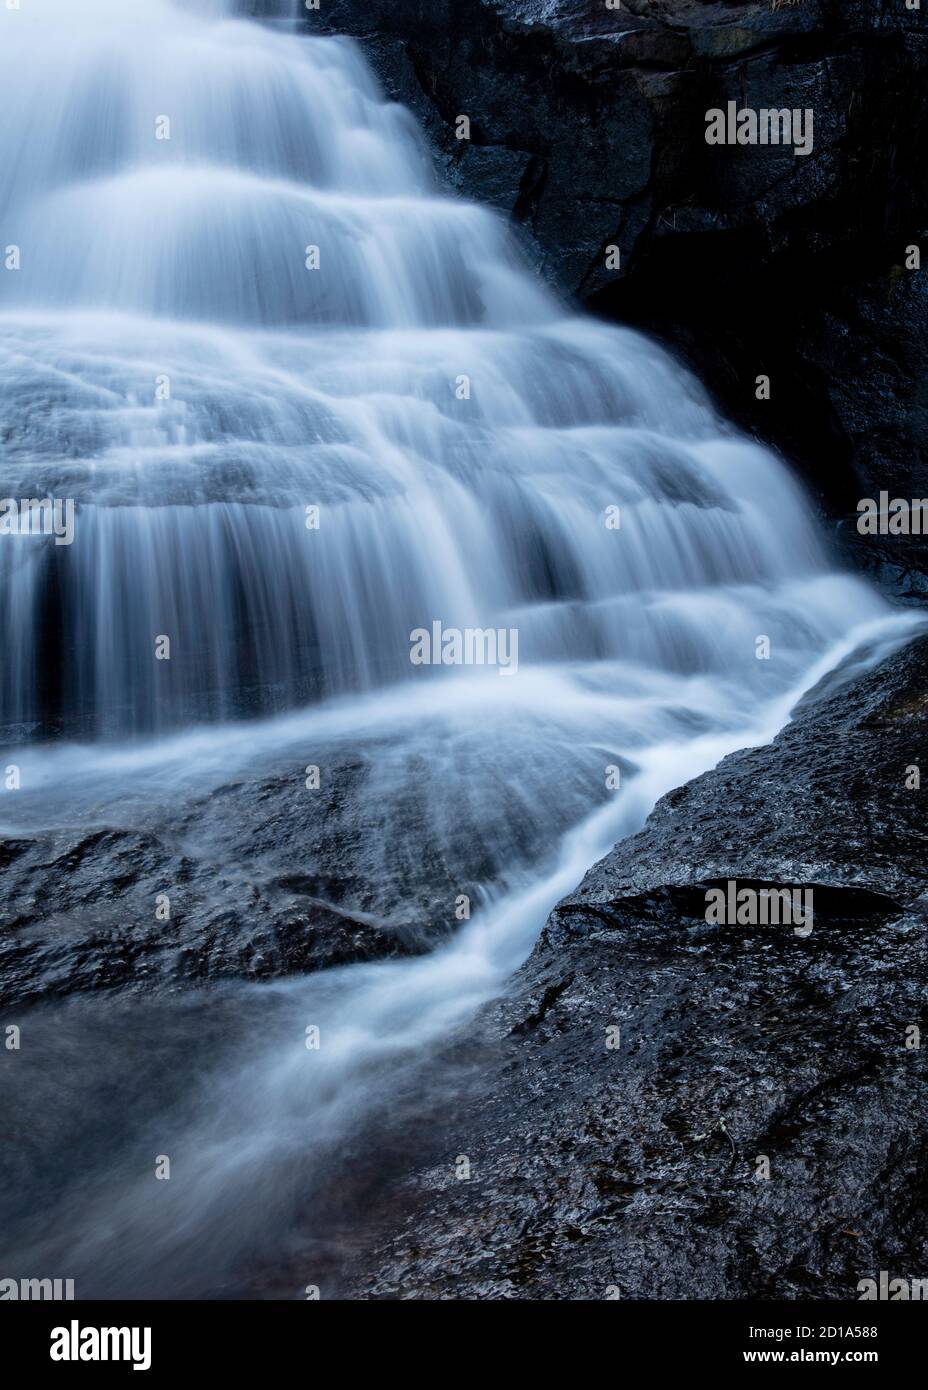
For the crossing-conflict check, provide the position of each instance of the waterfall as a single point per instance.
(305, 404)
(171, 364)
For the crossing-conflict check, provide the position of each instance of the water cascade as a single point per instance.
(305, 403)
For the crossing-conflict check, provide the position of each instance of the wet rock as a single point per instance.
(97, 934)
(640, 1168)
(264, 879)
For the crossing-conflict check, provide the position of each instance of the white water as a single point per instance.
(184, 258)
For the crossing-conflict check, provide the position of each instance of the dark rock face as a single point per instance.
(636, 1169)
(588, 129)
(265, 878)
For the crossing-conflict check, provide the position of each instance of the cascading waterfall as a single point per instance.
(171, 363)
(305, 404)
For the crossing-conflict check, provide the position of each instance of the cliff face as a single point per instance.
(587, 128)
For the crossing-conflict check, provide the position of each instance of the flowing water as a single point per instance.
(306, 403)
